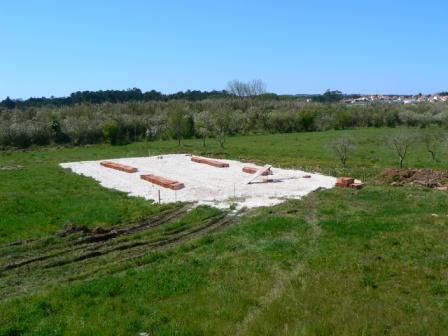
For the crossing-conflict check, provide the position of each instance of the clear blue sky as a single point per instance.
(57, 47)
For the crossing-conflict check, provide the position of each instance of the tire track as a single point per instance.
(84, 259)
(100, 239)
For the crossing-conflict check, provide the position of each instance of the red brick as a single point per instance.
(118, 166)
(345, 181)
(163, 182)
(210, 162)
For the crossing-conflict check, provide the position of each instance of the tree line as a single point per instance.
(118, 123)
(235, 89)
(111, 96)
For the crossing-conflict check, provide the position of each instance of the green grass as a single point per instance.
(42, 197)
(338, 262)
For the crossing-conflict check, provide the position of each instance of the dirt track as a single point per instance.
(79, 253)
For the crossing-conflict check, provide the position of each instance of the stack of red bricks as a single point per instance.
(163, 182)
(348, 182)
(253, 170)
(119, 166)
(214, 163)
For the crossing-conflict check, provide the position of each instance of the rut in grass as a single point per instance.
(78, 257)
(28, 252)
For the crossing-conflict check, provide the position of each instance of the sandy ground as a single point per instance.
(204, 184)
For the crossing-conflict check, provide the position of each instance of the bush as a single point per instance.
(306, 121)
(83, 130)
(122, 122)
(111, 130)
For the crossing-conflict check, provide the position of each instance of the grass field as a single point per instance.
(338, 262)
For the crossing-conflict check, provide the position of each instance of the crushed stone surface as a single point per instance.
(204, 184)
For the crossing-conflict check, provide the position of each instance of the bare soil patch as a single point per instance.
(415, 177)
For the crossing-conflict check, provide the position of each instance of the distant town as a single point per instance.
(435, 98)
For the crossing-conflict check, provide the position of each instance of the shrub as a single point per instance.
(121, 122)
(111, 131)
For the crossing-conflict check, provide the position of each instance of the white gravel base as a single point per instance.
(204, 184)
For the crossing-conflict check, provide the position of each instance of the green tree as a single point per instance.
(180, 122)
(111, 130)
(433, 143)
(204, 125)
(400, 143)
(8, 103)
(222, 123)
(343, 147)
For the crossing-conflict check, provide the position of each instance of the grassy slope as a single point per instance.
(337, 262)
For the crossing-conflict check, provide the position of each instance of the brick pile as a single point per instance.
(214, 163)
(119, 166)
(163, 182)
(348, 182)
(253, 170)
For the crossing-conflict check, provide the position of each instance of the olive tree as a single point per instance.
(400, 143)
(222, 120)
(342, 148)
(179, 122)
(433, 143)
(204, 125)
(155, 127)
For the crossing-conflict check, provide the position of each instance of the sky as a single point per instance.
(54, 47)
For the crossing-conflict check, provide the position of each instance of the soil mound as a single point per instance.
(415, 177)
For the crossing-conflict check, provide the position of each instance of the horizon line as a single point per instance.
(221, 90)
